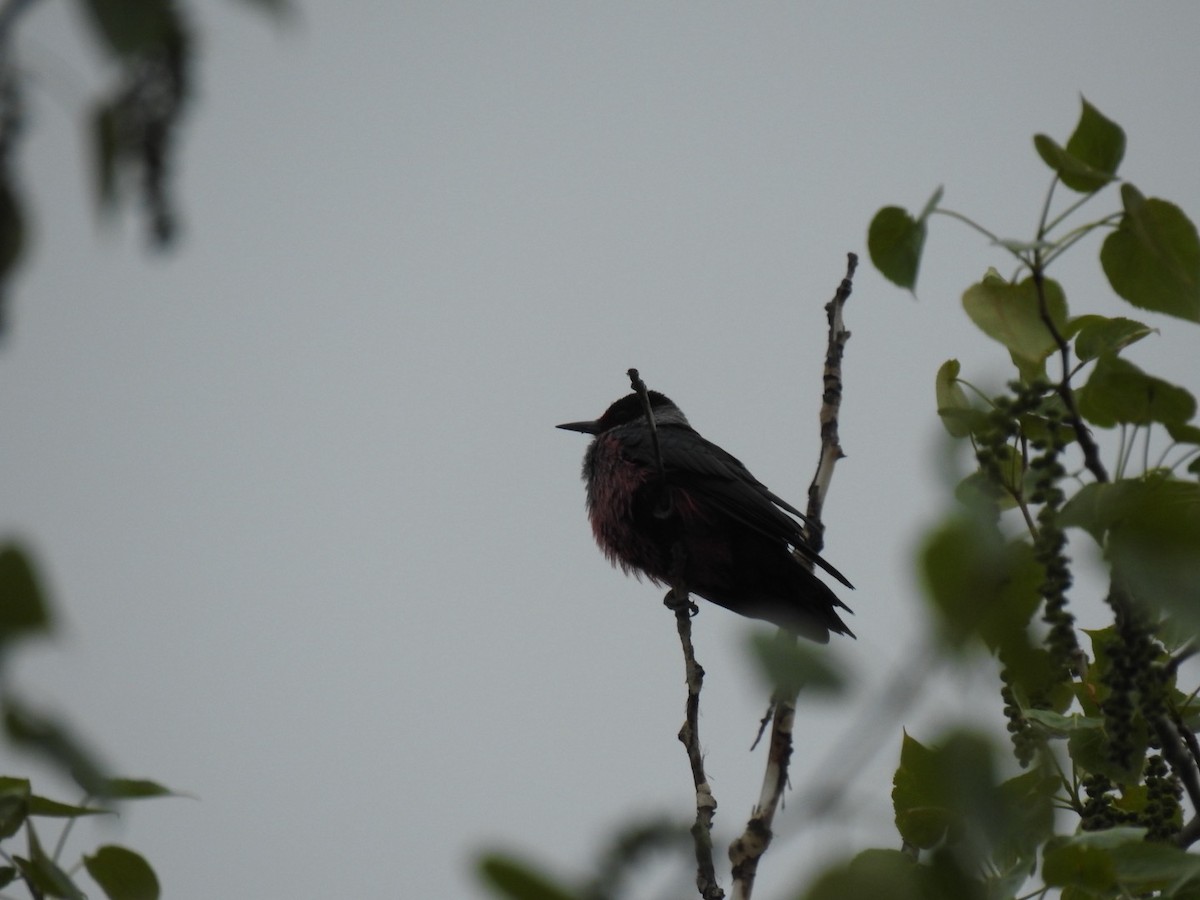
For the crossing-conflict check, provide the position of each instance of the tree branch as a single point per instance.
(749, 847)
(679, 602)
(689, 734)
(1091, 453)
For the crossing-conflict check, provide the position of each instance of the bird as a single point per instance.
(742, 546)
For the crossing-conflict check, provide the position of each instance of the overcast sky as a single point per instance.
(320, 556)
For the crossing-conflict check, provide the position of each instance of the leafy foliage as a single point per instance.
(1101, 795)
(134, 124)
(1113, 718)
(121, 873)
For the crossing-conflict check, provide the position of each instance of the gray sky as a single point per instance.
(321, 557)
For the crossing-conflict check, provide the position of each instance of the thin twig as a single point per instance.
(1091, 453)
(635, 380)
(679, 602)
(689, 734)
(748, 848)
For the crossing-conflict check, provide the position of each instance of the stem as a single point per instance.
(1091, 453)
(973, 224)
(1042, 226)
(1074, 236)
(638, 385)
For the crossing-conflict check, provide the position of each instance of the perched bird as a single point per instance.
(735, 535)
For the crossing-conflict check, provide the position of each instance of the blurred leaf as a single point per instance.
(952, 403)
(1143, 867)
(890, 874)
(1011, 314)
(1149, 529)
(106, 153)
(280, 9)
(12, 229)
(791, 665)
(46, 738)
(977, 488)
(44, 806)
(1083, 860)
(921, 818)
(133, 789)
(8, 874)
(122, 874)
(1028, 804)
(1092, 155)
(131, 27)
(978, 583)
(1119, 392)
(1097, 335)
(14, 805)
(1117, 860)
(23, 608)
(949, 792)
(516, 880)
(1153, 258)
(895, 241)
(1183, 434)
(43, 873)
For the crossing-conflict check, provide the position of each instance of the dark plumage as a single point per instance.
(736, 535)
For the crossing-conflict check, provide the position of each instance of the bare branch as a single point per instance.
(749, 847)
(679, 602)
(689, 734)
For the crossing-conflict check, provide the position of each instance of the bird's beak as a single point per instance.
(585, 427)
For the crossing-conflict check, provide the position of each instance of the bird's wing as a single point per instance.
(726, 485)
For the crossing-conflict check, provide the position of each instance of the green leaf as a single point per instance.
(8, 875)
(1059, 725)
(14, 805)
(1097, 335)
(1149, 529)
(1143, 867)
(1183, 434)
(133, 789)
(1084, 860)
(44, 806)
(1011, 314)
(950, 792)
(510, 878)
(122, 874)
(921, 817)
(1117, 391)
(791, 665)
(133, 27)
(1028, 803)
(882, 873)
(1153, 258)
(23, 608)
(978, 583)
(895, 241)
(1092, 155)
(43, 873)
(952, 404)
(1117, 860)
(1037, 680)
(53, 743)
